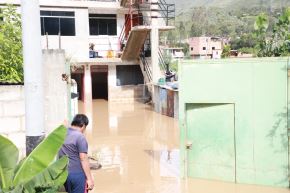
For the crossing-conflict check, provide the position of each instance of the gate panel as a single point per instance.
(210, 130)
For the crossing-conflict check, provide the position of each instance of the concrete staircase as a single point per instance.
(135, 42)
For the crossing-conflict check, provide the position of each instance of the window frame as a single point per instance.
(104, 20)
(61, 17)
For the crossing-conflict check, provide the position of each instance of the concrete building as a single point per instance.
(174, 53)
(205, 47)
(102, 40)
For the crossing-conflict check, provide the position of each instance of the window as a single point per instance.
(54, 22)
(204, 48)
(191, 48)
(213, 48)
(103, 24)
(129, 75)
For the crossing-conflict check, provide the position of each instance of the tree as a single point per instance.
(261, 26)
(182, 32)
(11, 61)
(195, 30)
(226, 51)
(278, 43)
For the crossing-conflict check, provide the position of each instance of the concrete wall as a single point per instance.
(56, 90)
(123, 93)
(12, 111)
(12, 106)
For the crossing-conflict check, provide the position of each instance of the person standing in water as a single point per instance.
(75, 146)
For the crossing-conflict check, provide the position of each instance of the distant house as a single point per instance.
(205, 47)
(175, 53)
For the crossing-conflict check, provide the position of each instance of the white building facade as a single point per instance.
(74, 25)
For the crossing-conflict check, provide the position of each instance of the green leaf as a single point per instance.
(18, 189)
(40, 158)
(262, 22)
(52, 177)
(8, 160)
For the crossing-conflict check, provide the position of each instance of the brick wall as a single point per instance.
(12, 110)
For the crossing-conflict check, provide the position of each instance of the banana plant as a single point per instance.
(40, 172)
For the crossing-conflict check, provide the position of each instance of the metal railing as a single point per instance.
(162, 63)
(167, 11)
(134, 18)
(146, 67)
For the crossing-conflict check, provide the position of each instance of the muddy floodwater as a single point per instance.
(139, 153)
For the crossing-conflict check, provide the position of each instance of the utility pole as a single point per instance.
(33, 74)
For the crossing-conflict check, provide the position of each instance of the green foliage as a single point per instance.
(39, 172)
(226, 51)
(11, 61)
(278, 43)
(233, 20)
(248, 50)
(174, 65)
(244, 41)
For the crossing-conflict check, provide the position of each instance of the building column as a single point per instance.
(33, 74)
(112, 80)
(88, 99)
(154, 41)
(154, 48)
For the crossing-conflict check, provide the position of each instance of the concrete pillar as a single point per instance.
(154, 41)
(33, 76)
(154, 47)
(56, 104)
(88, 100)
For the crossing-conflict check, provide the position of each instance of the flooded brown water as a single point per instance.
(139, 153)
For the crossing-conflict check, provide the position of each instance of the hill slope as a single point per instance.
(183, 5)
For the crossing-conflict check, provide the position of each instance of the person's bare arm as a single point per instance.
(86, 167)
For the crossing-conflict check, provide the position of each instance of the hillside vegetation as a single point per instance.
(232, 19)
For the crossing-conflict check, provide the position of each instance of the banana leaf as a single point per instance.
(41, 157)
(8, 160)
(50, 179)
(18, 189)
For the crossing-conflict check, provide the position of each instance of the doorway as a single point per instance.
(99, 82)
(79, 78)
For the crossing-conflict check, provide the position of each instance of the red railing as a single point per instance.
(132, 18)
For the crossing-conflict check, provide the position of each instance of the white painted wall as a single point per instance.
(76, 47)
(56, 104)
(12, 120)
(12, 106)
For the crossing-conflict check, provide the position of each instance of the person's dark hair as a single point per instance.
(80, 120)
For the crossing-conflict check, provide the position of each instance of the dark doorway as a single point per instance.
(100, 85)
(79, 78)
(129, 75)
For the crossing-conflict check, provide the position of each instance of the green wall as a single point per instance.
(234, 112)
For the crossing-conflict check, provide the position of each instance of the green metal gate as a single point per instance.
(233, 120)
